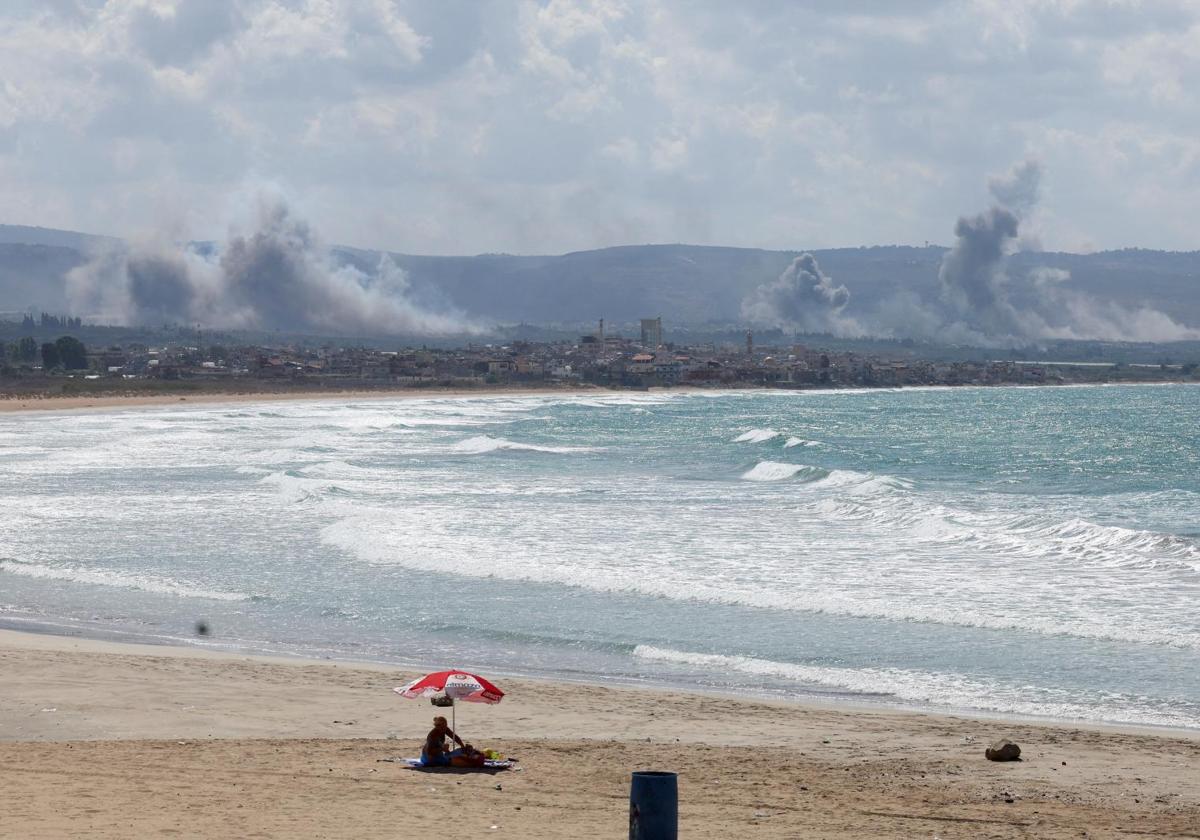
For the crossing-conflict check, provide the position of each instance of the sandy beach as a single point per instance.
(101, 739)
(102, 402)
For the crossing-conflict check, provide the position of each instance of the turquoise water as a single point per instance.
(1002, 550)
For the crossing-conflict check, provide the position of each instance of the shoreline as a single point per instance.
(119, 740)
(131, 644)
(21, 404)
(13, 403)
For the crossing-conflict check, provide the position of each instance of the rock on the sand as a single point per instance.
(1003, 750)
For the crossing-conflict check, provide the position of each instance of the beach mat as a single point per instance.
(489, 766)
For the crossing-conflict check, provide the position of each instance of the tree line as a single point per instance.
(45, 320)
(67, 353)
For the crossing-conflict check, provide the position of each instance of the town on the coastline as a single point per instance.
(598, 358)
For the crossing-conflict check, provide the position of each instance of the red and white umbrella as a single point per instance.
(457, 685)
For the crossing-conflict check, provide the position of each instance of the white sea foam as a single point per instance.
(297, 489)
(117, 578)
(484, 444)
(897, 588)
(861, 483)
(775, 471)
(22, 451)
(756, 436)
(617, 401)
(1114, 546)
(795, 441)
(279, 456)
(1022, 536)
(339, 469)
(947, 691)
(849, 481)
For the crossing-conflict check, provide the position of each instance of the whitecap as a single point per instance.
(775, 471)
(484, 444)
(338, 469)
(756, 436)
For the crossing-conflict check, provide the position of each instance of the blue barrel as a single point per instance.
(653, 806)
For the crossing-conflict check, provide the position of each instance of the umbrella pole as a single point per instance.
(454, 717)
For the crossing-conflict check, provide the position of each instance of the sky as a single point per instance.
(460, 127)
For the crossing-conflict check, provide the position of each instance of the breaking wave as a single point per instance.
(1112, 545)
(775, 471)
(946, 691)
(795, 441)
(986, 597)
(338, 469)
(855, 483)
(484, 444)
(756, 436)
(294, 488)
(1024, 536)
(122, 580)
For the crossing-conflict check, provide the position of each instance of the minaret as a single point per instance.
(601, 332)
(749, 344)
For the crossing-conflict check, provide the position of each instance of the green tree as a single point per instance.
(71, 353)
(50, 358)
(27, 349)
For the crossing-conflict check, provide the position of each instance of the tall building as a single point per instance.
(652, 332)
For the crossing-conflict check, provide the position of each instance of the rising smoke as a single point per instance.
(975, 284)
(1019, 189)
(977, 299)
(802, 298)
(278, 275)
(973, 276)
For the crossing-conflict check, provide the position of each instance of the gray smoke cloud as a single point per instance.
(1019, 189)
(975, 283)
(972, 274)
(276, 275)
(802, 298)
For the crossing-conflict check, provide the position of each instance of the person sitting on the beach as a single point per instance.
(435, 754)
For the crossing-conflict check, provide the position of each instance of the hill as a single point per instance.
(685, 284)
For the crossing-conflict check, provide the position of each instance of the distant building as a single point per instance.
(642, 364)
(652, 333)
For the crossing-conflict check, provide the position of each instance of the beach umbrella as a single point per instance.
(457, 685)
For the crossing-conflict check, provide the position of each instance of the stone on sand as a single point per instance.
(1003, 750)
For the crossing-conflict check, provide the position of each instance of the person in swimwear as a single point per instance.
(435, 754)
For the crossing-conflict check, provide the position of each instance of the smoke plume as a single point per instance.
(972, 274)
(975, 284)
(1019, 189)
(802, 298)
(277, 275)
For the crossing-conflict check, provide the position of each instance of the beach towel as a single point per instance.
(490, 764)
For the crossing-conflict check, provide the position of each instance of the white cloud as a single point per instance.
(547, 125)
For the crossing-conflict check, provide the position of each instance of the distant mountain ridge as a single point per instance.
(685, 284)
(30, 235)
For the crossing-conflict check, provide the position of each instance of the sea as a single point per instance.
(1025, 552)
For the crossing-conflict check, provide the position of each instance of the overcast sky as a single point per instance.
(452, 126)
